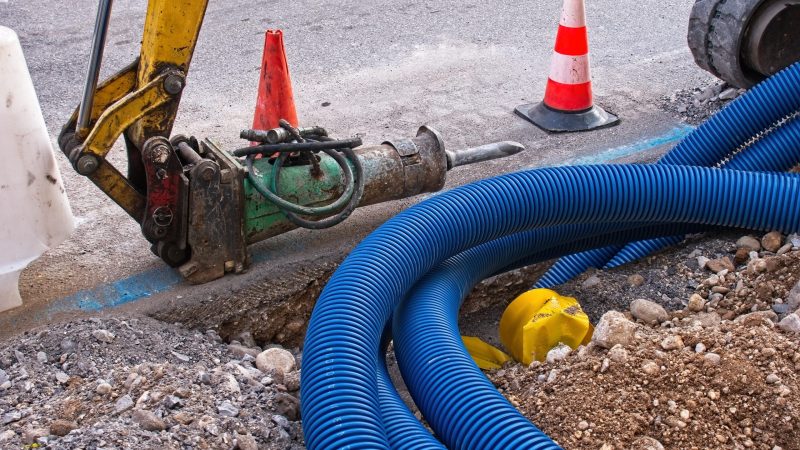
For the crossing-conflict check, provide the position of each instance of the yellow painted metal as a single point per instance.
(486, 356)
(123, 113)
(107, 178)
(108, 93)
(170, 35)
(540, 319)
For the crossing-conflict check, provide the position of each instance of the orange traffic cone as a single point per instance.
(568, 102)
(275, 98)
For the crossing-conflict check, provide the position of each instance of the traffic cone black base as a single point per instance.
(554, 121)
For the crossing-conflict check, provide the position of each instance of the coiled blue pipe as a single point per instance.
(430, 351)
(778, 151)
(403, 430)
(762, 106)
(340, 404)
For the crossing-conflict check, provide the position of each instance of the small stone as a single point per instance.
(280, 421)
(646, 443)
(648, 312)
(123, 404)
(749, 242)
(700, 347)
(614, 329)
(148, 420)
(712, 359)
(672, 342)
(591, 282)
(758, 318)
(226, 409)
(275, 360)
(246, 442)
(583, 425)
(172, 402)
(618, 354)
(558, 353)
(685, 414)
(240, 351)
(41, 357)
(7, 435)
(742, 255)
(3, 376)
(651, 368)
(702, 262)
(773, 379)
(793, 298)
(183, 417)
(707, 319)
(32, 434)
(605, 365)
(772, 242)
(287, 405)
(103, 388)
(728, 94)
(103, 336)
(204, 378)
(696, 303)
(67, 345)
(181, 357)
(61, 427)
(790, 323)
(10, 417)
(718, 265)
(636, 280)
(784, 250)
(781, 309)
(61, 377)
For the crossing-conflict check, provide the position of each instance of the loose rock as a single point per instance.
(275, 360)
(614, 329)
(672, 342)
(696, 303)
(61, 427)
(103, 336)
(772, 242)
(749, 242)
(648, 312)
(148, 420)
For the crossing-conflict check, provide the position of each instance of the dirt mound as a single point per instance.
(722, 373)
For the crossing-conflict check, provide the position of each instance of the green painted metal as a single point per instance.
(263, 219)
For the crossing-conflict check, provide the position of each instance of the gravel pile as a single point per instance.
(721, 372)
(696, 105)
(133, 382)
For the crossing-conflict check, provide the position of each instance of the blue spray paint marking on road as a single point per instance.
(159, 280)
(672, 136)
(119, 292)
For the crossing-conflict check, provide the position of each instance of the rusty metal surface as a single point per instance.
(166, 208)
(216, 203)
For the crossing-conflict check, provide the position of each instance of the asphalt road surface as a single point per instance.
(383, 68)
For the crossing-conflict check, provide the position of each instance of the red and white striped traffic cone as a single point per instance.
(568, 102)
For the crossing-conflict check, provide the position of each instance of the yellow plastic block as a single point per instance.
(540, 319)
(486, 356)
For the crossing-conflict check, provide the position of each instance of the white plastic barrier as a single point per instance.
(34, 211)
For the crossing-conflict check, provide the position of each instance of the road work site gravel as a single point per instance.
(695, 348)
(136, 383)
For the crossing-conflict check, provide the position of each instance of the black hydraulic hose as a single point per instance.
(341, 215)
(271, 149)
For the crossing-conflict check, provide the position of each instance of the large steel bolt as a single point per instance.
(87, 164)
(173, 84)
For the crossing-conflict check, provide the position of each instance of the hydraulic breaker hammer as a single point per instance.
(199, 205)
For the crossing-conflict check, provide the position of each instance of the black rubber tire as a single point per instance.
(699, 23)
(716, 31)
